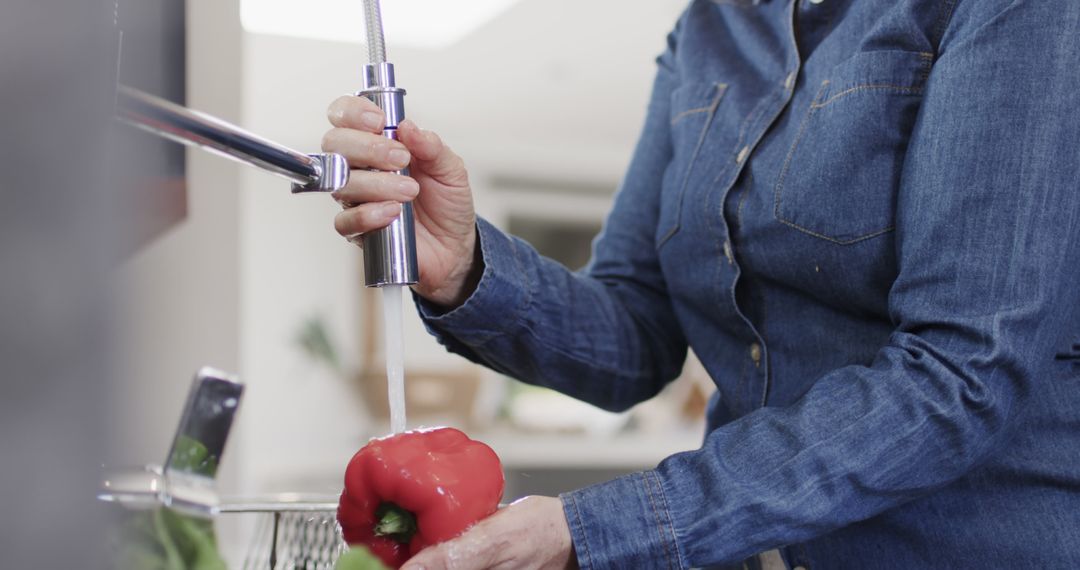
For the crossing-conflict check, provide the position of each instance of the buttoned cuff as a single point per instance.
(624, 523)
(500, 298)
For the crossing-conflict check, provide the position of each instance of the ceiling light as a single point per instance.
(428, 24)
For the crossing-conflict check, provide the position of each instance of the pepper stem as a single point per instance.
(395, 523)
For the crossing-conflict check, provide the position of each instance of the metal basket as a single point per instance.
(292, 534)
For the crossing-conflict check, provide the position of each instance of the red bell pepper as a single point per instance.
(414, 489)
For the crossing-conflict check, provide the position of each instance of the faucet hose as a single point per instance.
(376, 42)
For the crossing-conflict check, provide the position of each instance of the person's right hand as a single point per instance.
(438, 187)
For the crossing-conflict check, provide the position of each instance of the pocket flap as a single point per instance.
(897, 71)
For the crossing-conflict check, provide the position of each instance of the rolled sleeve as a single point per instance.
(503, 289)
(602, 517)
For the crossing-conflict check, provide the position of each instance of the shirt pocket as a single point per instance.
(840, 177)
(693, 106)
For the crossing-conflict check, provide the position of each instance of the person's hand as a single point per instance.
(530, 534)
(438, 187)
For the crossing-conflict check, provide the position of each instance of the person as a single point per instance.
(863, 216)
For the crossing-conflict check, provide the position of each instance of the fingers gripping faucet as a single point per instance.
(389, 253)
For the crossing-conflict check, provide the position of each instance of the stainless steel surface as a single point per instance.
(188, 480)
(293, 530)
(375, 41)
(288, 539)
(281, 503)
(335, 174)
(379, 74)
(323, 173)
(205, 424)
(198, 446)
(135, 488)
(389, 253)
(380, 87)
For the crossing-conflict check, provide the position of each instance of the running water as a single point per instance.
(395, 365)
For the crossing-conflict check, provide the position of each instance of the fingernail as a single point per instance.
(372, 120)
(399, 157)
(408, 186)
(389, 209)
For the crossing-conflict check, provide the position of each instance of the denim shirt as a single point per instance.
(864, 218)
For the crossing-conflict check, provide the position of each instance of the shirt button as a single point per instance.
(755, 353)
(790, 81)
(816, 2)
(742, 155)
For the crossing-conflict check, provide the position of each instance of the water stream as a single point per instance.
(395, 364)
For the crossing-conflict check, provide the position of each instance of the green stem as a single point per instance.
(395, 523)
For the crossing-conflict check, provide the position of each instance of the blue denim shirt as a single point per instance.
(864, 217)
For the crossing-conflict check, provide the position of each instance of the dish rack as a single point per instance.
(291, 533)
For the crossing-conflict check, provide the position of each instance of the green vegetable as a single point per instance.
(191, 456)
(359, 558)
(314, 339)
(163, 539)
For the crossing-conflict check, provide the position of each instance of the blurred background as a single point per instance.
(218, 264)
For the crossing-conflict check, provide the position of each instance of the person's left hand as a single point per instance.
(530, 534)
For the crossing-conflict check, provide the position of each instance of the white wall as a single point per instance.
(294, 266)
(179, 295)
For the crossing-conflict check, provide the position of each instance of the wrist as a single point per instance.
(460, 282)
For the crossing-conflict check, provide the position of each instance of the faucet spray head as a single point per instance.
(389, 253)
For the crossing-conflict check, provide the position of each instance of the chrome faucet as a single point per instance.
(308, 172)
(389, 253)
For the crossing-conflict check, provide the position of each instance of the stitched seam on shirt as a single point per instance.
(721, 90)
(750, 119)
(656, 517)
(764, 358)
(927, 65)
(743, 384)
(741, 392)
(687, 113)
(779, 189)
(741, 389)
(584, 535)
(665, 507)
(943, 22)
(834, 240)
(869, 87)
